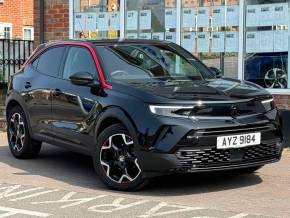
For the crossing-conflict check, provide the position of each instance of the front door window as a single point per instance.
(79, 60)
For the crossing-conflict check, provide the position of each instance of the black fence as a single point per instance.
(13, 53)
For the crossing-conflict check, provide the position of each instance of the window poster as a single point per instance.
(79, 21)
(252, 42)
(188, 41)
(232, 15)
(131, 35)
(103, 21)
(132, 20)
(170, 18)
(281, 14)
(252, 15)
(115, 20)
(90, 21)
(265, 15)
(218, 16)
(145, 19)
(203, 17)
(266, 41)
(203, 42)
(158, 36)
(232, 41)
(188, 18)
(281, 40)
(170, 36)
(218, 42)
(145, 36)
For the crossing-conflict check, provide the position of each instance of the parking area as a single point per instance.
(63, 184)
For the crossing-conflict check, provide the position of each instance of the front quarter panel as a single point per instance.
(144, 125)
(162, 133)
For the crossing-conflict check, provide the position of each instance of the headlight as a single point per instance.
(268, 104)
(171, 111)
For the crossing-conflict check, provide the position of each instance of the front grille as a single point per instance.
(207, 137)
(213, 157)
(234, 109)
(234, 130)
(261, 151)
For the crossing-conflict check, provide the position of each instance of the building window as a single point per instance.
(266, 43)
(5, 31)
(151, 20)
(243, 39)
(96, 19)
(28, 33)
(210, 30)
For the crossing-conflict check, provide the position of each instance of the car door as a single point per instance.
(40, 78)
(74, 106)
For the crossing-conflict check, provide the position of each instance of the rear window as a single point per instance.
(49, 62)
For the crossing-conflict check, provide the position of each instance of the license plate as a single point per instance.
(238, 141)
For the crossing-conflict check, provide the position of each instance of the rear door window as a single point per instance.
(50, 61)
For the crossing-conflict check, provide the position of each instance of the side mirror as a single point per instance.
(83, 79)
(216, 71)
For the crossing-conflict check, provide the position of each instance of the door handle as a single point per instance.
(27, 85)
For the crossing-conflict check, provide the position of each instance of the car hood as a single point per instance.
(223, 89)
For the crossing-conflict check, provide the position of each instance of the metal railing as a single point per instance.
(13, 53)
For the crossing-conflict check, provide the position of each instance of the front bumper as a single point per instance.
(197, 151)
(207, 160)
(214, 159)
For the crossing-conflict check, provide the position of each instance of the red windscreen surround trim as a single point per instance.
(104, 84)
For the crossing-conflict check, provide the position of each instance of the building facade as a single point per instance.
(55, 25)
(16, 19)
(244, 39)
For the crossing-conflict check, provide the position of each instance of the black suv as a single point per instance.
(140, 109)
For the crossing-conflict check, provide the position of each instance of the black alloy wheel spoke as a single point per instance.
(16, 132)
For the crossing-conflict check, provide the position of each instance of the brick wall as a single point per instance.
(282, 101)
(19, 13)
(36, 22)
(56, 21)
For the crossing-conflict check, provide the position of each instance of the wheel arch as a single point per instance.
(11, 104)
(113, 115)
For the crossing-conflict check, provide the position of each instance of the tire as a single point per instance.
(249, 170)
(122, 159)
(21, 145)
(275, 76)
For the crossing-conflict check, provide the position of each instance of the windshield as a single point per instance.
(150, 62)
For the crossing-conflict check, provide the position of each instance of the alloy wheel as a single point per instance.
(118, 159)
(16, 130)
(275, 78)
